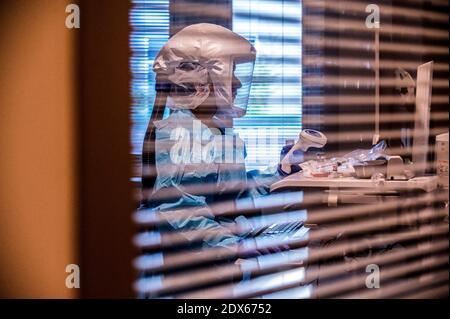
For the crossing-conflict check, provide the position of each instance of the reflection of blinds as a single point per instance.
(339, 69)
(187, 12)
(274, 108)
(150, 30)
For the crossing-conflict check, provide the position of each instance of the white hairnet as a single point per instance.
(206, 53)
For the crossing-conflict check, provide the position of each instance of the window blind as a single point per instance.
(274, 112)
(306, 242)
(339, 70)
(150, 23)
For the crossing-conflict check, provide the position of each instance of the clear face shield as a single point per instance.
(208, 65)
(241, 84)
(233, 104)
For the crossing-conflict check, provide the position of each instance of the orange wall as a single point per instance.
(37, 157)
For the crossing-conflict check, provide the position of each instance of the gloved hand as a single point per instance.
(250, 264)
(296, 159)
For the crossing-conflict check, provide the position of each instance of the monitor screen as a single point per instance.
(422, 117)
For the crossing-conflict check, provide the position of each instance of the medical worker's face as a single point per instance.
(235, 86)
(207, 109)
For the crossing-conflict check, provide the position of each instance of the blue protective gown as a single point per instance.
(198, 166)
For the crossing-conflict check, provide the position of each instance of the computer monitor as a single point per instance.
(422, 118)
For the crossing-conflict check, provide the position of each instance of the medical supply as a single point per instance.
(363, 155)
(332, 168)
(320, 174)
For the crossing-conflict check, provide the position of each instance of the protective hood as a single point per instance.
(204, 54)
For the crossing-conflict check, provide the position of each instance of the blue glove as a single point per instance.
(297, 157)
